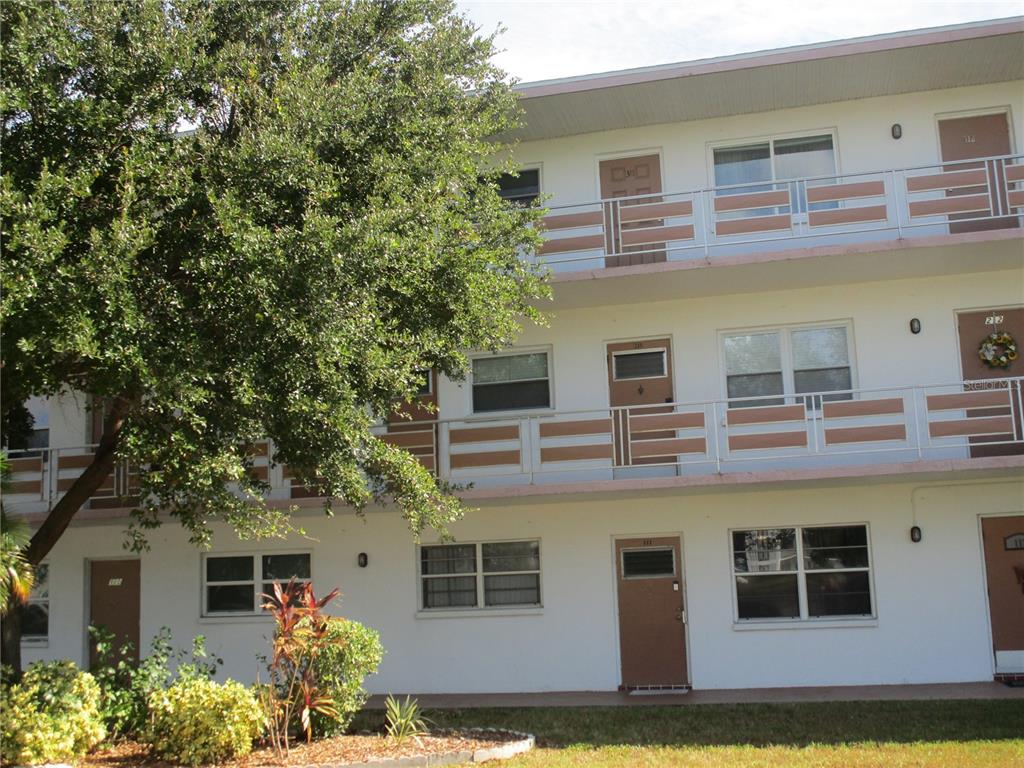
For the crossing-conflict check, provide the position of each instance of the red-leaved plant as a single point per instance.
(293, 693)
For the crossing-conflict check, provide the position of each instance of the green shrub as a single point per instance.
(352, 652)
(52, 715)
(198, 721)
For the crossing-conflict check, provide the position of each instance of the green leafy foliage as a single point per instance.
(328, 227)
(126, 685)
(403, 719)
(52, 715)
(351, 652)
(197, 721)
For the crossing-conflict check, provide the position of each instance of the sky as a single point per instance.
(545, 39)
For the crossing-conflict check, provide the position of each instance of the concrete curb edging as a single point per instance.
(524, 742)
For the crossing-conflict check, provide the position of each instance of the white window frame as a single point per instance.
(514, 411)
(647, 351)
(789, 394)
(804, 619)
(39, 640)
(257, 581)
(478, 575)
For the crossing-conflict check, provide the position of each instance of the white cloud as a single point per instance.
(547, 39)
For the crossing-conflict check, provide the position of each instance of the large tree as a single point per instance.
(230, 221)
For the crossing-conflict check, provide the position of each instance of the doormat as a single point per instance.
(660, 690)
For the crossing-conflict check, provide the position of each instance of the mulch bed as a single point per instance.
(358, 748)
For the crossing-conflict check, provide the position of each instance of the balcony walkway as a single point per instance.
(929, 692)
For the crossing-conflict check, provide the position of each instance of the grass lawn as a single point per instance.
(893, 734)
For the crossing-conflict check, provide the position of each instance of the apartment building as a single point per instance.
(771, 437)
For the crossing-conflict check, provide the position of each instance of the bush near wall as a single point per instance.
(198, 721)
(351, 652)
(52, 715)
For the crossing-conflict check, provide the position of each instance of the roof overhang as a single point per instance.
(901, 62)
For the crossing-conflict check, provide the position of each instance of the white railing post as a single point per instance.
(914, 397)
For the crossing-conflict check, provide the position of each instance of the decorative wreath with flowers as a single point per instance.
(998, 350)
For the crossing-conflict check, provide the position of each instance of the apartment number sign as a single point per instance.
(1014, 541)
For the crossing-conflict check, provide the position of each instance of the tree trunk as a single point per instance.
(10, 640)
(60, 517)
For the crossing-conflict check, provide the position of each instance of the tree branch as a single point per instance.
(83, 488)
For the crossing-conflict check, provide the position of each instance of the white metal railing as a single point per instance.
(818, 210)
(810, 430)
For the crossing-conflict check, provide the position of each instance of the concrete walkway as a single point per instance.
(722, 696)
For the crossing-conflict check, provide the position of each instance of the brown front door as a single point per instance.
(114, 592)
(964, 138)
(639, 373)
(652, 617)
(1004, 573)
(628, 177)
(972, 328)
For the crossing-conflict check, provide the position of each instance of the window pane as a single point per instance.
(41, 583)
(820, 348)
(532, 366)
(491, 369)
(284, 567)
(753, 386)
(752, 353)
(449, 558)
(839, 594)
(738, 165)
(843, 546)
(40, 410)
(806, 156)
(451, 592)
(512, 589)
(511, 556)
(767, 597)
(233, 598)
(508, 397)
(824, 380)
(648, 562)
(521, 188)
(425, 383)
(764, 550)
(229, 568)
(35, 621)
(639, 365)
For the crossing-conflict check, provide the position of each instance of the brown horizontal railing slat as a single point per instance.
(752, 200)
(576, 453)
(417, 439)
(657, 234)
(630, 213)
(77, 461)
(1014, 172)
(25, 486)
(751, 225)
(569, 428)
(847, 408)
(484, 459)
(955, 204)
(483, 434)
(994, 425)
(768, 440)
(841, 435)
(661, 421)
(1016, 198)
(572, 220)
(848, 216)
(640, 449)
(31, 464)
(767, 414)
(566, 244)
(828, 192)
(982, 398)
(946, 180)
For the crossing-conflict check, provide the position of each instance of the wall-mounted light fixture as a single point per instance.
(897, 130)
(363, 560)
(915, 533)
(915, 325)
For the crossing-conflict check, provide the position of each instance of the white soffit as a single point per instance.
(904, 62)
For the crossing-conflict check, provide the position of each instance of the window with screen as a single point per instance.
(521, 188)
(486, 574)
(802, 573)
(511, 382)
(646, 364)
(35, 614)
(233, 584)
(648, 563)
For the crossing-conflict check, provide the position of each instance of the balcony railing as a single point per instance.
(985, 193)
(806, 431)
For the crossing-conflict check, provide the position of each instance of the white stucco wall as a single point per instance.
(932, 623)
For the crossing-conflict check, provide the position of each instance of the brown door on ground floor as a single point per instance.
(114, 592)
(1004, 570)
(973, 328)
(652, 619)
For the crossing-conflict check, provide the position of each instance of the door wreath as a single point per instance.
(998, 350)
